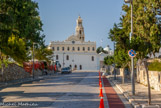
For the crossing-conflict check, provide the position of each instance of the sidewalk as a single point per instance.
(140, 99)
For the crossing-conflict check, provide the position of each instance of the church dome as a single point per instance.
(107, 48)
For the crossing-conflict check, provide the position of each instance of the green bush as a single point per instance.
(155, 66)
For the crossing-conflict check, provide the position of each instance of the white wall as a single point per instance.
(83, 59)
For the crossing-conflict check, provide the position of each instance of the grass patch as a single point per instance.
(155, 66)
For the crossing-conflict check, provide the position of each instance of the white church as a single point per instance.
(76, 53)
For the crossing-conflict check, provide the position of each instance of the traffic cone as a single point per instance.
(99, 77)
(101, 93)
(100, 85)
(99, 82)
(101, 103)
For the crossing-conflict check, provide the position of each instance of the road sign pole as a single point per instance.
(132, 76)
(132, 59)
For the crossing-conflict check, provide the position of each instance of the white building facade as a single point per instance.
(75, 52)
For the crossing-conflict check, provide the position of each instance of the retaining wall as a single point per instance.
(14, 72)
(154, 78)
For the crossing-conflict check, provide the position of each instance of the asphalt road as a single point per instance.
(75, 90)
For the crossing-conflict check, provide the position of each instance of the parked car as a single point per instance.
(66, 70)
(70, 70)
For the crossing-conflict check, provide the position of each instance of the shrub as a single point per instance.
(155, 66)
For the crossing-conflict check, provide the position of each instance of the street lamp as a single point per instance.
(63, 59)
(114, 63)
(128, 1)
(132, 59)
(33, 60)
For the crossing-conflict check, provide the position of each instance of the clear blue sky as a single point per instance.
(59, 18)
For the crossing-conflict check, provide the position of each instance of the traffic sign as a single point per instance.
(132, 53)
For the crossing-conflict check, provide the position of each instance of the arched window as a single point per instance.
(88, 48)
(83, 48)
(68, 48)
(79, 31)
(93, 48)
(92, 58)
(62, 48)
(53, 48)
(57, 48)
(73, 49)
(67, 57)
(57, 57)
(78, 48)
(80, 67)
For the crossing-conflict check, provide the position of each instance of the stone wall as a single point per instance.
(141, 77)
(154, 78)
(14, 72)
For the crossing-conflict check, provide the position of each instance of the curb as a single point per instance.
(130, 99)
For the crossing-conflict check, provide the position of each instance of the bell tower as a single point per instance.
(80, 30)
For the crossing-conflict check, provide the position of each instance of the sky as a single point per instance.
(59, 19)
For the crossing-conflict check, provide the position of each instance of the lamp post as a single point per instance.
(114, 63)
(132, 59)
(33, 60)
(63, 59)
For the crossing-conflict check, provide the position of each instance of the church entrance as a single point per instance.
(75, 67)
(80, 67)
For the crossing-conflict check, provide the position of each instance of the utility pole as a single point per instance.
(114, 63)
(132, 58)
(33, 61)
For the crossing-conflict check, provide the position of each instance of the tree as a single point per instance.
(99, 50)
(19, 20)
(42, 53)
(109, 60)
(121, 58)
(146, 36)
(16, 49)
(3, 62)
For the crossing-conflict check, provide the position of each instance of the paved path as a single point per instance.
(140, 99)
(75, 90)
(113, 99)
